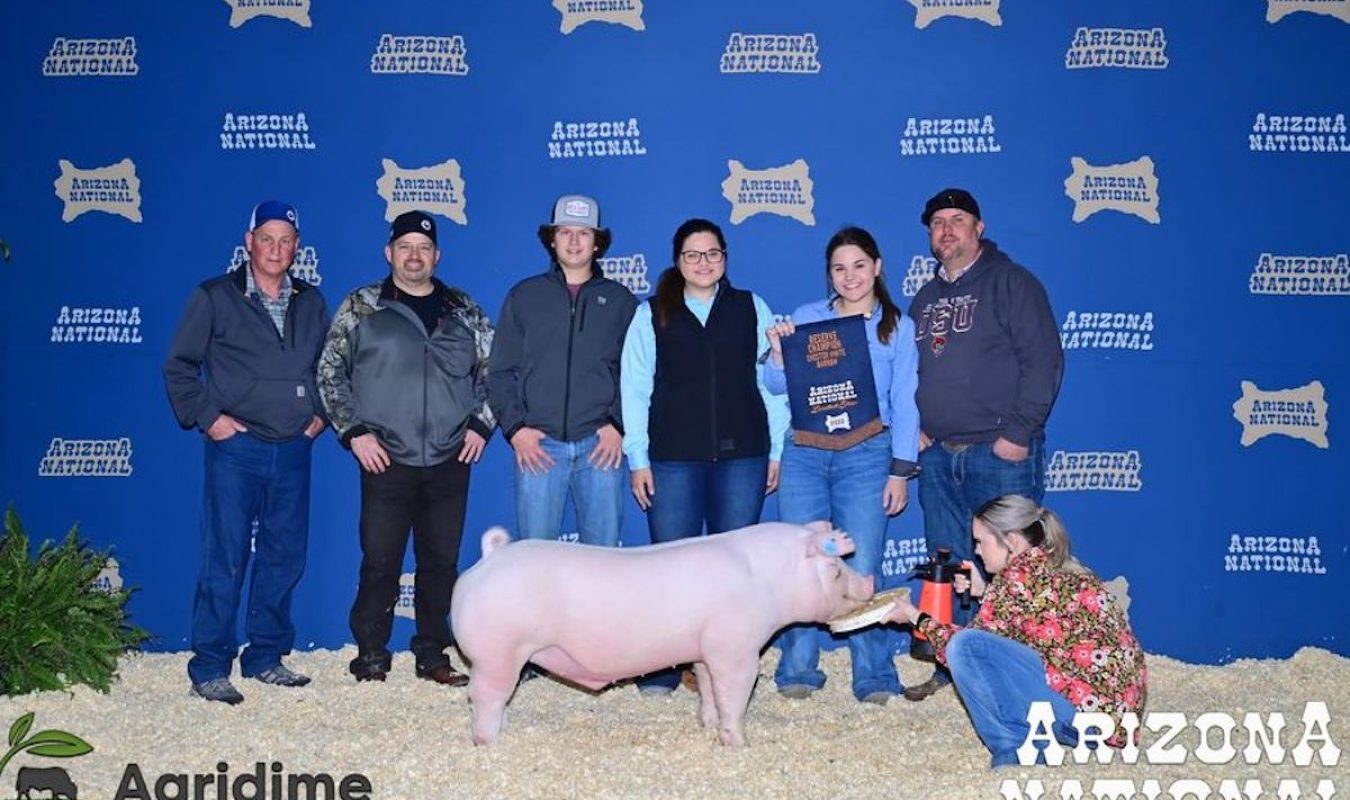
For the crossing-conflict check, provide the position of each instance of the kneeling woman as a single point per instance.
(1047, 630)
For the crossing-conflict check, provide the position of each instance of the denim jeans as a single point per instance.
(247, 479)
(845, 487)
(724, 495)
(998, 680)
(953, 485)
(598, 494)
(431, 502)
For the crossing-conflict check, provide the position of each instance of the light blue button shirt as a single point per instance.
(895, 369)
(638, 375)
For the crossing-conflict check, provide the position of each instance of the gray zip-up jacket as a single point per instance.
(262, 379)
(555, 361)
(382, 373)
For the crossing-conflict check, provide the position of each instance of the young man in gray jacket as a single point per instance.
(554, 381)
(404, 379)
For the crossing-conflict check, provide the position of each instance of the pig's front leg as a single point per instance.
(707, 704)
(733, 679)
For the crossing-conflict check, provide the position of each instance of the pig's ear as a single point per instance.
(827, 542)
(819, 526)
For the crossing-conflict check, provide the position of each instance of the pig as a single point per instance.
(595, 615)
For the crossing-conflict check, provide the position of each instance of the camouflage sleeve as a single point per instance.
(483, 420)
(335, 366)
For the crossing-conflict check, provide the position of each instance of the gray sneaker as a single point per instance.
(281, 676)
(218, 689)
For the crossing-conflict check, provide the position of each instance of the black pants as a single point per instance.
(430, 501)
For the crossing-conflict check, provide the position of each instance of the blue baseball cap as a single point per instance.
(268, 210)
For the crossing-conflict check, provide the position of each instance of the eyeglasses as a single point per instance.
(713, 256)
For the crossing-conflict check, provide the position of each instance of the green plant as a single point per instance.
(58, 629)
(50, 743)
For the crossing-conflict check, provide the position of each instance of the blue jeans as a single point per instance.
(953, 485)
(248, 479)
(845, 487)
(998, 680)
(598, 494)
(724, 495)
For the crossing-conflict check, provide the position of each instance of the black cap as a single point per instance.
(413, 222)
(949, 198)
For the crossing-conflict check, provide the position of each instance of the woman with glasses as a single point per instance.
(858, 487)
(702, 434)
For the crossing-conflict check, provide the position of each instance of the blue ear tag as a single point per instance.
(830, 548)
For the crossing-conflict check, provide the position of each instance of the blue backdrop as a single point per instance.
(1175, 173)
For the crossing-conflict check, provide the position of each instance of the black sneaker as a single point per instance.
(219, 690)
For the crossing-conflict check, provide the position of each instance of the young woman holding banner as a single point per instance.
(859, 487)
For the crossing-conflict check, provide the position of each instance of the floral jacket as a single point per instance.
(1091, 655)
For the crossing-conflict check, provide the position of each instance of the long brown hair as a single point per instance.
(860, 238)
(670, 288)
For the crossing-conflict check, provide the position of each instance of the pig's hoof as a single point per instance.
(796, 691)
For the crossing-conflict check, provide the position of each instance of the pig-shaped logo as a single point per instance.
(712, 601)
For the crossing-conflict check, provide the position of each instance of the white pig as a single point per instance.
(596, 615)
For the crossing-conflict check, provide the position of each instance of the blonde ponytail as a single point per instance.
(1040, 526)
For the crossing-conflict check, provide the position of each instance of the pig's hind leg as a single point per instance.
(733, 679)
(492, 681)
(707, 705)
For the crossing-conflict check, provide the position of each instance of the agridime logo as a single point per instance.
(51, 782)
(791, 53)
(113, 189)
(437, 189)
(576, 13)
(1125, 48)
(929, 10)
(1130, 188)
(1299, 413)
(1277, 10)
(785, 191)
(102, 58)
(242, 11)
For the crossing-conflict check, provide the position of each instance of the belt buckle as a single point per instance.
(955, 447)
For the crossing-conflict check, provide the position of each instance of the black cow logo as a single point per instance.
(53, 781)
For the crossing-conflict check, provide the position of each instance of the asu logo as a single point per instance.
(929, 10)
(576, 13)
(1129, 188)
(438, 189)
(1299, 413)
(242, 11)
(113, 189)
(785, 191)
(1277, 10)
